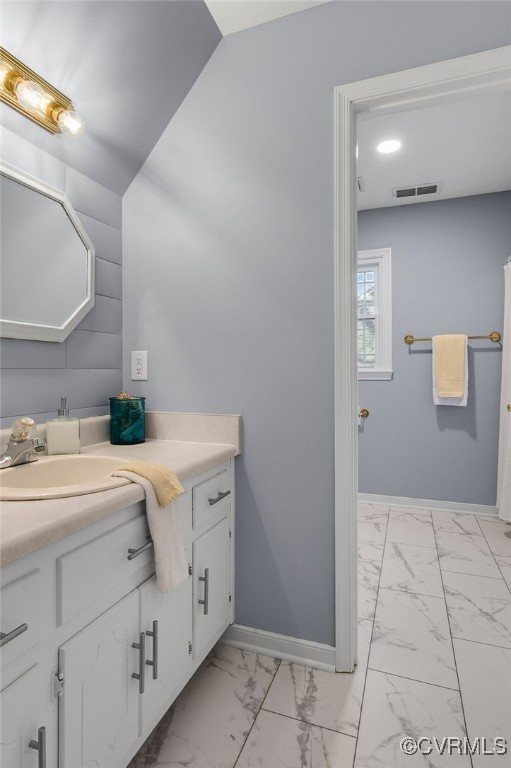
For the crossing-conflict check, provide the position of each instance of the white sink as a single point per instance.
(54, 477)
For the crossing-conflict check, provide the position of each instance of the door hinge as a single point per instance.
(189, 569)
(190, 649)
(230, 533)
(230, 597)
(58, 684)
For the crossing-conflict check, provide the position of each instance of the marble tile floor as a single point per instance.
(434, 661)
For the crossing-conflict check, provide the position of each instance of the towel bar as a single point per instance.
(494, 336)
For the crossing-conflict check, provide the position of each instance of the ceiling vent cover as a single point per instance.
(421, 189)
(427, 189)
(405, 192)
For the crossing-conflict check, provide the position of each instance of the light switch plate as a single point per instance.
(139, 366)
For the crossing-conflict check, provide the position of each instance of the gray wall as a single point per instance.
(126, 65)
(87, 366)
(228, 270)
(447, 277)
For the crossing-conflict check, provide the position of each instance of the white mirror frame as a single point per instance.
(14, 329)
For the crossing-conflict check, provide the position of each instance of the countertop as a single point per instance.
(26, 526)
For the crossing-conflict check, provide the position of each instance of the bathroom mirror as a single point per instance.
(46, 260)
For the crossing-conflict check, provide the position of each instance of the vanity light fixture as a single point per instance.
(27, 92)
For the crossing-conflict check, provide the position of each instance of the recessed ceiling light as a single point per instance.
(386, 147)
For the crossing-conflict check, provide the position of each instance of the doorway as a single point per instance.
(433, 84)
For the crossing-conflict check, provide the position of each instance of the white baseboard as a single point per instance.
(283, 647)
(445, 506)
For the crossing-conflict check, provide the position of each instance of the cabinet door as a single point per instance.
(21, 720)
(166, 643)
(98, 711)
(211, 581)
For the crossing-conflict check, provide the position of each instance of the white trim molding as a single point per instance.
(375, 374)
(283, 647)
(409, 89)
(482, 510)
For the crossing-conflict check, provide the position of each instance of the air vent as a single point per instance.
(361, 184)
(429, 189)
(408, 192)
(421, 189)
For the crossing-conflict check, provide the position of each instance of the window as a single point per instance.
(374, 314)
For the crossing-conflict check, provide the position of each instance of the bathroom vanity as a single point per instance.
(93, 653)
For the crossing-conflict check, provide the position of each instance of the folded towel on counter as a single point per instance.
(164, 481)
(161, 487)
(450, 369)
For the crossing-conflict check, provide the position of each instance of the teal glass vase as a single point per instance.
(127, 420)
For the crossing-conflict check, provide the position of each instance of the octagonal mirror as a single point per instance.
(46, 260)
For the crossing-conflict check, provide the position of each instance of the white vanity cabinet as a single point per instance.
(99, 705)
(212, 584)
(212, 541)
(105, 653)
(165, 620)
(24, 720)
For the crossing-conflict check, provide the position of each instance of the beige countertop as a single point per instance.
(26, 526)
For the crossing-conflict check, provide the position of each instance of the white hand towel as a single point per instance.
(458, 401)
(167, 535)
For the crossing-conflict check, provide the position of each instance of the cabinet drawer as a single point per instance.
(211, 497)
(87, 573)
(21, 607)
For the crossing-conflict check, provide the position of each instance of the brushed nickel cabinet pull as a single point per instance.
(154, 662)
(140, 675)
(40, 746)
(7, 637)
(133, 553)
(218, 498)
(205, 602)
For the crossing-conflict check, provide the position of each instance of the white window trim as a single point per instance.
(381, 259)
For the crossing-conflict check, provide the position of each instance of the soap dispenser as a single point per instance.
(63, 433)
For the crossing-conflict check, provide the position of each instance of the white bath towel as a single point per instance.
(459, 401)
(167, 535)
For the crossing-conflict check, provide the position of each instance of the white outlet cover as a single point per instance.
(139, 366)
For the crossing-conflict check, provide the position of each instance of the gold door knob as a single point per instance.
(364, 413)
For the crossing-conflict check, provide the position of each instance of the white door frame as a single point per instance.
(398, 91)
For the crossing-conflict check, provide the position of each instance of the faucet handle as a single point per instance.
(23, 429)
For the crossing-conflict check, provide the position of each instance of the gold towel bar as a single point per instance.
(494, 336)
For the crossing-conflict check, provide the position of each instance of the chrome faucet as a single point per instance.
(22, 447)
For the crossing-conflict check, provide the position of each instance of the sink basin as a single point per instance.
(54, 477)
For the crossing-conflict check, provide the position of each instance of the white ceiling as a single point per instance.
(464, 144)
(235, 15)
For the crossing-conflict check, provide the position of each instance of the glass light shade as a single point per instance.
(386, 147)
(70, 123)
(31, 96)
